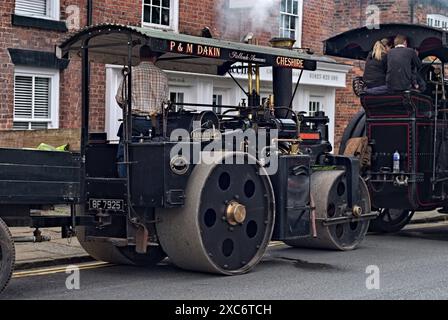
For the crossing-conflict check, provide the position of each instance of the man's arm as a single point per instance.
(166, 93)
(166, 89)
(384, 61)
(417, 63)
(416, 66)
(119, 96)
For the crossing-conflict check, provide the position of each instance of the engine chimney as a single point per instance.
(282, 80)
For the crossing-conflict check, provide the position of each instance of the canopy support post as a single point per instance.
(85, 69)
(295, 89)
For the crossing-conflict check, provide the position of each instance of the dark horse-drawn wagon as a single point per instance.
(414, 124)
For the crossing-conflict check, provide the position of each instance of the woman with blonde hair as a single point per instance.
(376, 68)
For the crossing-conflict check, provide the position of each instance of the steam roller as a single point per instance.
(329, 194)
(227, 221)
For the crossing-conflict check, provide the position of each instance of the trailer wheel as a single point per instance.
(7, 255)
(227, 221)
(391, 220)
(329, 192)
(107, 252)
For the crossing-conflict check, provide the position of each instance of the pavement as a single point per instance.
(61, 251)
(54, 252)
(410, 264)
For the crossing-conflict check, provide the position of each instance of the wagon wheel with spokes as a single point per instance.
(7, 255)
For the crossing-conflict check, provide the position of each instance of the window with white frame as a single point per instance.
(315, 105)
(47, 9)
(161, 14)
(291, 19)
(437, 21)
(178, 98)
(36, 99)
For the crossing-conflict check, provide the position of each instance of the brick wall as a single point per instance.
(31, 39)
(317, 23)
(6, 96)
(195, 15)
(16, 37)
(126, 12)
(32, 139)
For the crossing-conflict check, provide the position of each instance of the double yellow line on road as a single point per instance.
(55, 270)
(85, 266)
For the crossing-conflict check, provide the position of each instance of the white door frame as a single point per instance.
(113, 112)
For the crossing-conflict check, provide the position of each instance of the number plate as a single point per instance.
(106, 204)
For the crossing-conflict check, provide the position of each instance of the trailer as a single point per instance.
(211, 190)
(412, 124)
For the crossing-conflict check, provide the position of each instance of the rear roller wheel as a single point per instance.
(391, 220)
(329, 190)
(107, 252)
(7, 255)
(226, 223)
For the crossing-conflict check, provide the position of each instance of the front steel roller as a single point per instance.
(328, 189)
(227, 221)
(7, 255)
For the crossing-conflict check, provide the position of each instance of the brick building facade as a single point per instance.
(37, 26)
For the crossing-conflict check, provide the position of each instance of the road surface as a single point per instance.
(411, 264)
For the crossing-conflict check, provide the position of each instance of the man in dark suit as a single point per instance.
(402, 67)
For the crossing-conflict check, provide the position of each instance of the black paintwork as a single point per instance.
(38, 177)
(292, 198)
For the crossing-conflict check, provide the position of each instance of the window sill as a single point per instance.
(159, 27)
(40, 23)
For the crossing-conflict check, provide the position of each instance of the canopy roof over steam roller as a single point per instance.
(357, 43)
(108, 43)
